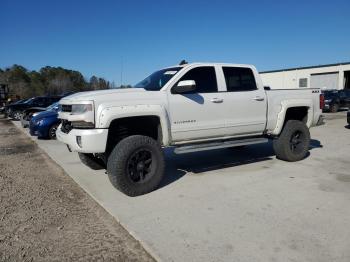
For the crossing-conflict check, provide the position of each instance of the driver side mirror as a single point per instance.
(184, 86)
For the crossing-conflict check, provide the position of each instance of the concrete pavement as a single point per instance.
(237, 205)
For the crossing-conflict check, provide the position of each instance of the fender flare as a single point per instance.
(109, 114)
(287, 104)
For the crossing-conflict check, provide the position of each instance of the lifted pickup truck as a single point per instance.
(191, 107)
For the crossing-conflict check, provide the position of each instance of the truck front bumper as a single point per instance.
(84, 140)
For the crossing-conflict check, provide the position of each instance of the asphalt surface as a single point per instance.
(46, 216)
(237, 204)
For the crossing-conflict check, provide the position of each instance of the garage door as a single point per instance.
(325, 81)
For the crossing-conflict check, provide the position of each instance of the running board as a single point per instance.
(217, 145)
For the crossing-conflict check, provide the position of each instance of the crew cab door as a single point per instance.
(245, 104)
(198, 114)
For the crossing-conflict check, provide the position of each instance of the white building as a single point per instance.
(332, 76)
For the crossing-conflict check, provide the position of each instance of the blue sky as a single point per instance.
(94, 37)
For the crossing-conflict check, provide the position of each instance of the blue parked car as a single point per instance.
(44, 124)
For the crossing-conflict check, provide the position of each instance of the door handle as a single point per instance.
(217, 100)
(259, 98)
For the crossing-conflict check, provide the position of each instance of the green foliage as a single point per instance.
(48, 81)
(98, 83)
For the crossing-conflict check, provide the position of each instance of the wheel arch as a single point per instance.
(301, 110)
(111, 115)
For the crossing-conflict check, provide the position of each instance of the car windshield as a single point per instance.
(53, 107)
(28, 101)
(158, 79)
(330, 94)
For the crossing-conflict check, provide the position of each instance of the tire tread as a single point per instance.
(281, 144)
(118, 157)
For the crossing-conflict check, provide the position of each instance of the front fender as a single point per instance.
(108, 114)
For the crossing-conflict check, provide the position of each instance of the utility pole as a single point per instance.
(121, 72)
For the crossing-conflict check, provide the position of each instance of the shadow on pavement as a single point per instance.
(200, 162)
(315, 144)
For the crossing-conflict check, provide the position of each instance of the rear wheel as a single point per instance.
(334, 108)
(91, 161)
(136, 165)
(293, 142)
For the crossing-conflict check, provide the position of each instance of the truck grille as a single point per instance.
(66, 108)
(66, 126)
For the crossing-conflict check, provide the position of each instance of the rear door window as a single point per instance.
(239, 79)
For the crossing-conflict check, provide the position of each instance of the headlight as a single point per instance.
(40, 122)
(80, 115)
(81, 108)
(82, 124)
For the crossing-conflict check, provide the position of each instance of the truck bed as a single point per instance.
(279, 100)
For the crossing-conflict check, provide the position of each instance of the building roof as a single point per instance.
(305, 67)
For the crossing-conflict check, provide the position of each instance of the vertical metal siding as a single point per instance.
(325, 81)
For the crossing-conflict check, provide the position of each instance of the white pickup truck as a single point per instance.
(190, 107)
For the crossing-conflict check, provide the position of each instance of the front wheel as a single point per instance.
(293, 143)
(136, 165)
(52, 131)
(17, 115)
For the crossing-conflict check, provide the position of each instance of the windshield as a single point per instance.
(158, 79)
(330, 94)
(53, 107)
(28, 101)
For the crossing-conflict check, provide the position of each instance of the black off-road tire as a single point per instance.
(293, 143)
(121, 161)
(334, 108)
(92, 161)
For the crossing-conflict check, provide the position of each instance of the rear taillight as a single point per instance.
(321, 101)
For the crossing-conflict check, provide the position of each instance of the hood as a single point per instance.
(127, 96)
(91, 95)
(37, 108)
(45, 114)
(34, 109)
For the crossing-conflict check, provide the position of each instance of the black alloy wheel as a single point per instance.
(139, 166)
(296, 142)
(52, 131)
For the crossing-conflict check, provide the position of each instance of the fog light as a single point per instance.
(79, 141)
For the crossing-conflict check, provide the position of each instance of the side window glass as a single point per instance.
(205, 78)
(43, 101)
(36, 101)
(239, 79)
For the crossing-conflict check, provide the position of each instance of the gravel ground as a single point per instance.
(45, 215)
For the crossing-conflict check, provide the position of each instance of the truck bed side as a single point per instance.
(305, 104)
